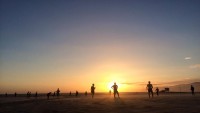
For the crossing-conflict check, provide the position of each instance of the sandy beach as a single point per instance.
(127, 103)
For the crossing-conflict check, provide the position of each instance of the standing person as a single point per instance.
(48, 94)
(110, 92)
(85, 93)
(150, 89)
(157, 91)
(54, 94)
(76, 93)
(27, 94)
(70, 93)
(192, 89)
(15, 94)
(115, 87)
(92, 90)
(58, 92)
(36, 94)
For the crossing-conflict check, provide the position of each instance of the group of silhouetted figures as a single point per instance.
(56, 93)
(149, 88)
(114, 87)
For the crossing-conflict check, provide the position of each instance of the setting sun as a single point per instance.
(65, 56)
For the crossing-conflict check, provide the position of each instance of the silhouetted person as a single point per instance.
(157, 91)
(192, 89)
(15, 94)
(48, 94)
(6, 94)
(115, 87)
(85, 93)
(110, 92)
(76, 93)
(150, 89)
(54, 94)
(36, 94)
(70, 93)
(58, 92)
(92, 90)
(28, 94)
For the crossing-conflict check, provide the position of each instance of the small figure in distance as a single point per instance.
(85, 93)
(6, 94)
(92, 90)
(36, 94)
(48, 94)
(76, 93)
(15, 94)
(70, 93)
(58, 92)
(27, 94)
(54, 94)
(150, 89)
(110, 92)
(157, 91)
(115, 87)
(192, 89)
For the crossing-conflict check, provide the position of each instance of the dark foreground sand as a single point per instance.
(173, 103)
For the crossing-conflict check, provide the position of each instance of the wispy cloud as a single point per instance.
(133, 83)
(169, 83)
(188, 58)
(195, 66)
(140, 83)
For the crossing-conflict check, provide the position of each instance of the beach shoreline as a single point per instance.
(102, 103)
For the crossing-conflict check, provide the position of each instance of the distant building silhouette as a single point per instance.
(166, 89)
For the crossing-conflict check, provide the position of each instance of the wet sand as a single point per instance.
(127, 103)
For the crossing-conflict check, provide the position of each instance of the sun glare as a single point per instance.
(110, 84)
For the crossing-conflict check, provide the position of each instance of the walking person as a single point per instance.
(157, 91)
(150, 89)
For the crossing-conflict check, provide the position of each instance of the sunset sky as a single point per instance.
(70, 44)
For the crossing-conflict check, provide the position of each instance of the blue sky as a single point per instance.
(61, 40)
